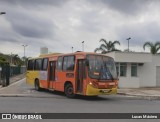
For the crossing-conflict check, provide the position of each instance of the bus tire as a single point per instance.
(36, 85)
(69, 91)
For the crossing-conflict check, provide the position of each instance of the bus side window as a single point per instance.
(30, 65)
(38, 64)
(45, 64)
(68, 63)
(65, 60)
(59, 63)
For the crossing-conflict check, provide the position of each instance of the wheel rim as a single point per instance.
(70, 91)
(36, 86)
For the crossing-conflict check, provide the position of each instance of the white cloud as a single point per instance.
(60, 25)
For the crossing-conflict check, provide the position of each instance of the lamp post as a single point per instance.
(83, 46)
(24, 51)
(2, 13)
(72, 49)
(128, 42)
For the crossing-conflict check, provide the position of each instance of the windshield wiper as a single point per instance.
(108, 70)
(100, 73)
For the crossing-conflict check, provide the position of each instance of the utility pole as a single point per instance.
(83, 46)
(24, 51)
(2, 13)
(72, 49)
(128, 42)
(11, 59)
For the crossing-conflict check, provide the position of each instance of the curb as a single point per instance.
(148, 97)
(142, 97)
(28, 95)
(11, 82)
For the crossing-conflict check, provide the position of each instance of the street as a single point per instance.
(22, 98)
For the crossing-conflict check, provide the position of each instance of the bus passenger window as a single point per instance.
(30, 65)
(65, 63)
(59, 63)
(68, 63)
(38, 64)
(45, 64)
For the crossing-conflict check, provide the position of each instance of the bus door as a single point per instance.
(80, 75)
(52, 67)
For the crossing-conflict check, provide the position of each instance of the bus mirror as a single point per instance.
(87, 63)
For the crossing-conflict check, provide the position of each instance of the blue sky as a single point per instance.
(62, 24)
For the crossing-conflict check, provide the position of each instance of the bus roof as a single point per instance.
(65, 54)
(48, 55)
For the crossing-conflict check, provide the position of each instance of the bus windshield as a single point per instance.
(101, 67)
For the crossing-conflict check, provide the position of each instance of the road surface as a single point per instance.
(24, 99)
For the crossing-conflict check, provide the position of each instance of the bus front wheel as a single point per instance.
(36, 85)
(69, 92)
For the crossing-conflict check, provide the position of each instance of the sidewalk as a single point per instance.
(146, 92)
(15, 78)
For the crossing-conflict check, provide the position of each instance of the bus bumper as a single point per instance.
(91, 91)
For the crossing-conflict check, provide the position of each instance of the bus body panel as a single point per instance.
(61, 77)
(91, 91)
(31, 76)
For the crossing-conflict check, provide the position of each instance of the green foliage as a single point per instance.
(107, 46)
(12, 59)
(154, 47)
(2, 60)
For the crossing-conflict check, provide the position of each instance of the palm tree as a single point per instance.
(107, 46)
(154, 47)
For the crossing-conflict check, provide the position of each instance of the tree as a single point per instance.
(2, 61)
(107, 46)
(12, 59)
(154, 47)
(16, 59)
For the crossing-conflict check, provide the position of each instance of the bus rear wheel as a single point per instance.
(36, 85)
(69, 92)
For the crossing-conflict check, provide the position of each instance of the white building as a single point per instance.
(43, 50)
(137, 69)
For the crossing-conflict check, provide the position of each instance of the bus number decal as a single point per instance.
(43, 75)
(69, 75)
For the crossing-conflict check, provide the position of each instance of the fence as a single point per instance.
(15, 70)
(8, 71)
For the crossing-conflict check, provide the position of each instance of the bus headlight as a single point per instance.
(90, 83)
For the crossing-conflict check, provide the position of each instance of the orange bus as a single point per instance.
(83, 73)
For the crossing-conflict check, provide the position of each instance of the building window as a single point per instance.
(134, 70)
(117, 68)
(123, 69)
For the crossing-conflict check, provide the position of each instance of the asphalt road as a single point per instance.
(29, 100)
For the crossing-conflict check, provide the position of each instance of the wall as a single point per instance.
(128, 81)
(146, 72)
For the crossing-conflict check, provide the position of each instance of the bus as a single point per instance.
(82, 73)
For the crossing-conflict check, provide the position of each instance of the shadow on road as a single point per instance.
(80, 97)
(91, 98)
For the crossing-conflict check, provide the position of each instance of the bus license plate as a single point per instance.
(111, 83)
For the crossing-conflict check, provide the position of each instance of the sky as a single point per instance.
(60, 25)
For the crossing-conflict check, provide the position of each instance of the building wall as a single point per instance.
(43, 50)
(128, 81)
(146, 73)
